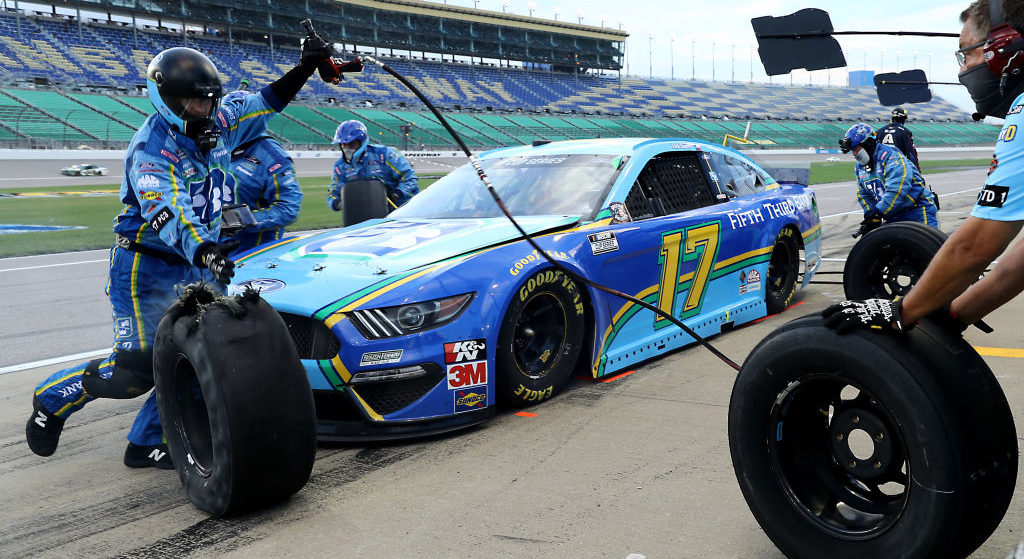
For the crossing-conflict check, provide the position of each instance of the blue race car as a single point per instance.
(423, 321)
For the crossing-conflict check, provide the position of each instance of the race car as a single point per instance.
(423, 321)
(83, 170)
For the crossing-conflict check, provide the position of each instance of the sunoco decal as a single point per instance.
(469, 400)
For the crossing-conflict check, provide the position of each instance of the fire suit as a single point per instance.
(374, 162)
(172, 195)
(893, 186)
(265, 181)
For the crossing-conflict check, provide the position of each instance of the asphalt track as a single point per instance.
(635, 467)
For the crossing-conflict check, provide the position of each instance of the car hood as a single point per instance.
(304, 274)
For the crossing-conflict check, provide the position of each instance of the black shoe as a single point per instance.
(43, 430)
(138, 456)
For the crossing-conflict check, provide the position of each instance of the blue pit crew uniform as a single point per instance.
(1002, 198)
(265, 181)
(172, 195)
(896, 135)
(374, 162)
(894, 187)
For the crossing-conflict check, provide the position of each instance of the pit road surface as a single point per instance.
(606, 469)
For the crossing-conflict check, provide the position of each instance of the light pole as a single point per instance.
(753, 51)
(930, 63)
(693, 59)
(881, 61)
(579, 16)
(557, 11)
(531, 7)
(504, 6)
(712, 61)
(672, 53)
(732, 62)
(915, 60)
(650, 55)
(897, 60)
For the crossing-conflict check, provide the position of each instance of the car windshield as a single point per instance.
(528, 185)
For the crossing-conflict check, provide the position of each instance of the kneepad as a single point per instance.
(132, 376)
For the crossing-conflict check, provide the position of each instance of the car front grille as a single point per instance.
(390, 396)
(312, 338)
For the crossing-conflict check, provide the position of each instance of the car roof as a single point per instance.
(610, 146)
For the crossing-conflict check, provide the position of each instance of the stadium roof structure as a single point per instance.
(412, 25)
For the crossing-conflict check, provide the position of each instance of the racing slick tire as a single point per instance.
(540, 339)
(888, 261)
(783, 271)
(234, 401)
(858, 445)
(363, 200)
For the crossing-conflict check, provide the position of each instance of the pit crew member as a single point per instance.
(890, 187)
(361, 160)
(897, 135)
(176, 180)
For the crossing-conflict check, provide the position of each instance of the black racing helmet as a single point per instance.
(899, 115)
(177, 75)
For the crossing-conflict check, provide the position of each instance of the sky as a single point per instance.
(723, 27)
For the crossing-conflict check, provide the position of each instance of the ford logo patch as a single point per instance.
(262, 285)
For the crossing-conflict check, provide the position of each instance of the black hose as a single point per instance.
(494, 194)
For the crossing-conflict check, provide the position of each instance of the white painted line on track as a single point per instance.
(54, 361)
(53, 265)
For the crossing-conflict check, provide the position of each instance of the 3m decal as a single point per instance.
(464, 375)
(701, 244)
(466, 350)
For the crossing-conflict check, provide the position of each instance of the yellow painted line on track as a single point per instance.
(999, 351)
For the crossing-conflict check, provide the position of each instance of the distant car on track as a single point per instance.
(422, 321)
(833, 158)
(84, 170)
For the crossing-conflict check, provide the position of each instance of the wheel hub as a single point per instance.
(861, 443)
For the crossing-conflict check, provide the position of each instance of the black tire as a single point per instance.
(363, 200)
(783, 271)
(889, 260)
(234, 401)
(826, 432)
(540, 339)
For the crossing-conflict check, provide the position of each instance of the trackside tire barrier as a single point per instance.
(889, 260)
(363, 200)
(865, 445)
(234, 401)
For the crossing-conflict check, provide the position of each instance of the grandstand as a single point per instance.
(65, 82)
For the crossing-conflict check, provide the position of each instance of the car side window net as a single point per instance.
(670, 183)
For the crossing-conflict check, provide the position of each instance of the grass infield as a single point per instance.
(92, 208)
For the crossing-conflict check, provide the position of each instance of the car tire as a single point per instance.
(888, 261)
(234, 401)
(363, 200)
(783, 272)
(826, 432)
(540, 339)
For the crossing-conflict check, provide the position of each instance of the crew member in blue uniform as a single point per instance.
(176, 179)
(949, 290)
(361, 160)
(265, 181)
(890, 187)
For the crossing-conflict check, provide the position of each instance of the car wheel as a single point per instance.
(888, 261)
(363, 200)
(783, 271)
(234, 401)
(857, 445)
(540, 339)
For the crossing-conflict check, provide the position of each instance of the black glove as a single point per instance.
(872, 221)
(315, 50)
(215, 257)
(880, 315)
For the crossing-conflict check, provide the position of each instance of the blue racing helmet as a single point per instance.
(350, 131)
(855, 136)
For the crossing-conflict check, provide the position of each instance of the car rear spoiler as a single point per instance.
(791, 175)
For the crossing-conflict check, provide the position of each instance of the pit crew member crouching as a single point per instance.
(890, 187)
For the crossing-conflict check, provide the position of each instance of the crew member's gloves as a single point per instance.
(881, 315)
(314, 50)
(872, 221)
(215, 257)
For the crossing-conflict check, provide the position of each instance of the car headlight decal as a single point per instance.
(399, 320)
